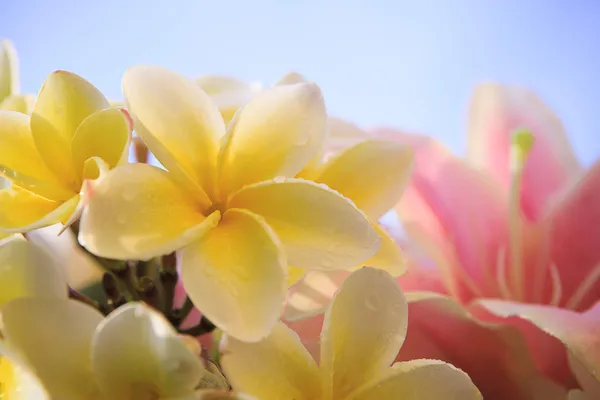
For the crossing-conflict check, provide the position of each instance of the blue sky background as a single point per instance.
(411, 64)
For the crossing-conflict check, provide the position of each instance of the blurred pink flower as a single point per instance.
(495, 227)
(525, 230)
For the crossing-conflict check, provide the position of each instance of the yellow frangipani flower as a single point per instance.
(372, 173)
(363, 330)
(228, 199)
(71, 135)
(74, 351)
(10, 97)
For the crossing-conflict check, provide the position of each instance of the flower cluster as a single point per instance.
(253, 259)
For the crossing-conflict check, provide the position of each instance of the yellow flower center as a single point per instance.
(7, 379)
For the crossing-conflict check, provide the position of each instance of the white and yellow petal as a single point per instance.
(104, 134)
(420, 380)
(17, 381)
(22, 103)
(236, 275)
(228, 93)
(285, 368)
(18, 151)
(363, 330)
(63, 102)
(319, 228)
(137, 354)
(276, 134)
(54, 338)
(136, 211)
(178, 121)
(372, 173)
(23, 211)
(28, 270)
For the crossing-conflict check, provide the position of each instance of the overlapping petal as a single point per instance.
(137, 211)
(319, 228)
(353, 350)
(178, 121)
(67, 328)
(276, 134)
(137, 354)
(104, 134)
(496, 111)
(228, 93)
(19, 151)
(372, 173)
(420, 380)
(495, 355)
(236, 275)
(580, 332)
(21, 210)
(16, 380)
(285, 368)
(22, 103)
(27, 270)
(63, 102)
(448, 199)
(574, 236)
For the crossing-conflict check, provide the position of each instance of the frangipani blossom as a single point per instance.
(70, 137)
(10, 97)
(76, 353)
(524, 230)
(364, 327)
(229, 199)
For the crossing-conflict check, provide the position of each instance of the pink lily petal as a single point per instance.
(494, 355)
(455, 210)
(575, 239)
(579, 331)
(495, 112)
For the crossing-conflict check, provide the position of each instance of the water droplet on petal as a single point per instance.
(279, 179)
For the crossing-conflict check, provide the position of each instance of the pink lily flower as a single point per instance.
(510, 223)
(517, 221)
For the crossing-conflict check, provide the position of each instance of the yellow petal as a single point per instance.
(312, 294)
(104, 134)
(389, 257)
(54, 337)
(278, 367)
(420, 380)
(23, 211)
(228, 93)
(22, 103)
(372, 173)
(18, 151)
(319, 228)
(137, 354)
(178, 121)
(236, 275)
(343, 134)
(364, 328)
(17, 382)
(136, 211)
(9, 70)
(291, 78)
(27, 270)
(63, 102)
(276, 134)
